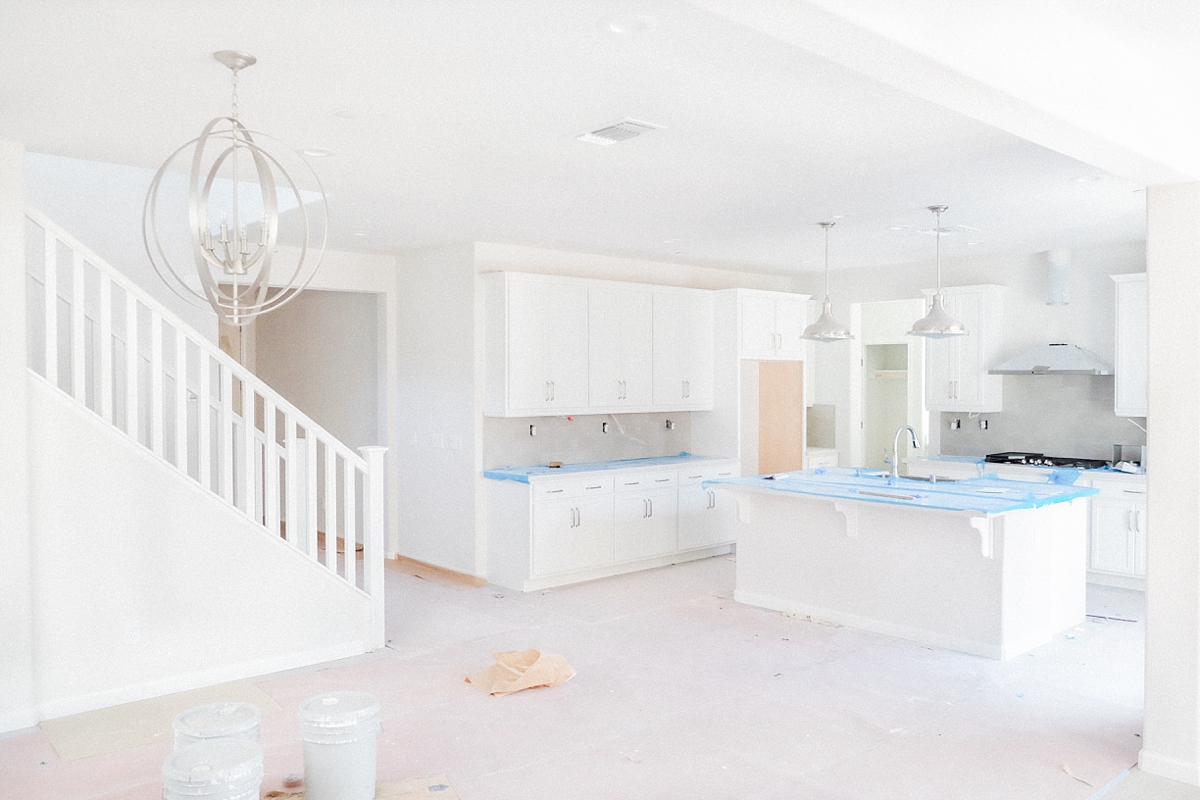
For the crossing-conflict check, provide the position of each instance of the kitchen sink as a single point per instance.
(930, 479)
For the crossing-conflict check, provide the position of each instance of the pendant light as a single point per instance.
(938, 323)
(826, 328)
(235, 268)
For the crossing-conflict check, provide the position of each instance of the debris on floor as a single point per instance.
(521, 669)
(436, 787)
(1067, 769)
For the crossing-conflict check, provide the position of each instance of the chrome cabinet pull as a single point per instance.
(661, 480)
(553, 491)
(645, 509)
(651, 504)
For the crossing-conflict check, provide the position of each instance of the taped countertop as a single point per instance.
(987, 495)
(523, 474)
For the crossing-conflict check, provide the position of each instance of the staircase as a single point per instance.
(103, 343)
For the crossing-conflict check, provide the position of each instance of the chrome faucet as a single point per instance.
(896, 448)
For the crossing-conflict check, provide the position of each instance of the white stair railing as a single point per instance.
(99, 338)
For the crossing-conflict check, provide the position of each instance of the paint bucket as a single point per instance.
(217, 721)
(339, 731)
(217, 769)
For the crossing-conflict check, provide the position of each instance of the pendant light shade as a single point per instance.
(826, 328)
(938, 323)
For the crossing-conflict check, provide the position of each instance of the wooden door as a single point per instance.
(780, 416)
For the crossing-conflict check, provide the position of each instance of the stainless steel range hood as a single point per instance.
(1054, 359)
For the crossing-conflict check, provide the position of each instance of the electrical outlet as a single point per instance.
(983, 424)
(955, 424)
(670, 425)
(533, 430)
(604, 427)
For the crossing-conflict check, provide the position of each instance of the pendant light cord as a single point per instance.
(938, 247)
(827, 226)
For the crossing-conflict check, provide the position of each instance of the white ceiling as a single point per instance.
(455, 121)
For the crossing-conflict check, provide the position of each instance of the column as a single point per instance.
(1171, 735)
(17, 699)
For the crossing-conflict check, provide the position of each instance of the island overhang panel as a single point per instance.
(991, 584)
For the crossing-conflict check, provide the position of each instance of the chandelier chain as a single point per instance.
(233, 80)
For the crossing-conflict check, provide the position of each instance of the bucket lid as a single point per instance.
(339, 709)
(211, 763)
(218, 719)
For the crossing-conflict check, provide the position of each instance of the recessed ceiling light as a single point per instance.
(317, 152)
(900, 227)
(627, 24)
(362, 233)
(972, 244)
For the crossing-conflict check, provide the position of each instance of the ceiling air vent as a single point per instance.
(618, 132)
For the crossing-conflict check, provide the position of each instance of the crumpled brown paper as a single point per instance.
(521, 669)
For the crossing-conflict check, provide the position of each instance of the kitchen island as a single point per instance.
(984, 566)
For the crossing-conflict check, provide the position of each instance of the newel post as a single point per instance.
(374, 549)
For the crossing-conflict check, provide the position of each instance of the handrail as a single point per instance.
(292, 488)
(239, 371)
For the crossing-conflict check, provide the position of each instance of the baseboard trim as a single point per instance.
(1168, 767)
(434, 573)
(18, 720)
(181, 683)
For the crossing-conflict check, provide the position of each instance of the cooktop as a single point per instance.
(1040, 460)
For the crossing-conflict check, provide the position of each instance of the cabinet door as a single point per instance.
(683, 350)
(572, 535)
(759, 341)
(969, 369)
(1131, 351)
(940, 356)
(528, 381)
(565, 311)
(1112, 536)
(790, 320)
(644, 525)
(620, 347)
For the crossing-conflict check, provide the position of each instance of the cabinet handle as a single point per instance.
(645, 508)
(553, 491)
(546, 392)
(712, 499)
(633, 483)
(578, 518)
(687, 385)
(589, 488)
(1129, 520)
(661, 480)
(693, 477)
(723, 474)
(1135, 491)
(651, 504)
(1137, 520)
(551, 391)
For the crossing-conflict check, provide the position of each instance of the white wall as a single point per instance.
(320, 351)
(1088, 319)
(135, 599)
(439, 421)
(17, 701)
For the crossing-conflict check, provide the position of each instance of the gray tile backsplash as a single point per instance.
(506, 440)
(1058, 415)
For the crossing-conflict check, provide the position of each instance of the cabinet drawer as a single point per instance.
(644, 481)
(689, 476)
(563, 489)
(1119, 489)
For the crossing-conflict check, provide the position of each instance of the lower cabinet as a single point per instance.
(1117, 535)
(572, 535)
(644, 525)
(555, 531)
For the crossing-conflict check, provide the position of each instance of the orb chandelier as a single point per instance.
(939, 323)
(826, 328)
(237, 268)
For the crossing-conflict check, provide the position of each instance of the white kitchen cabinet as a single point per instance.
(570, 535)
(820, 457)
(956, 368)
(644, 524)
(1129, 398)
(537, 345)
(620, 347)
(558, 530)
(772, 323)
(1117, 531)
(683, 349)
(558, 345)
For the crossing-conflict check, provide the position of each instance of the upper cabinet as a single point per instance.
(540, 344)
(956, 368)
(1131, 351)
(772, 323)
(683, 349)
(557, 345)
(620, 346)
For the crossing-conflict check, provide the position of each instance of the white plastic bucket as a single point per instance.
(217, 721)
(217, 769)
(340, 731)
